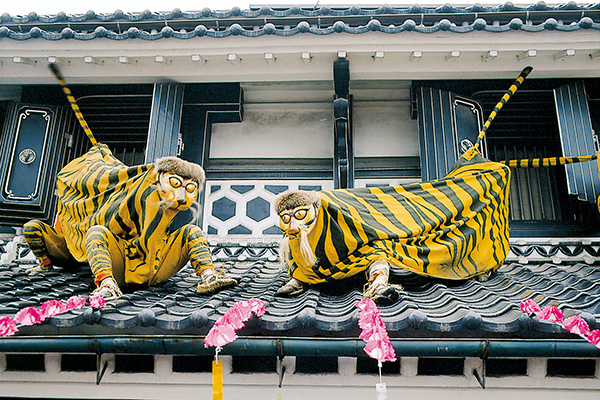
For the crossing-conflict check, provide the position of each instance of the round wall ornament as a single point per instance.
(27, 156)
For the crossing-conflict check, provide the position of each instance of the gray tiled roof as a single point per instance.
(427, 308)
(295, 20)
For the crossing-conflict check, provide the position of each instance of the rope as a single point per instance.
(74, 106)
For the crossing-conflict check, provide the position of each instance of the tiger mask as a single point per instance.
(297, 211)
(178, 182)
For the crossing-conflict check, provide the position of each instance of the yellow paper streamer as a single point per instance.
(217, 380)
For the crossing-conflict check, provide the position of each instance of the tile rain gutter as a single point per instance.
(281, 347)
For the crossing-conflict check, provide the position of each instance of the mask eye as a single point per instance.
(175, 182)
(191, 187)
(285, 218)
(300, 214)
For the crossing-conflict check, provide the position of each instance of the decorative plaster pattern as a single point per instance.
(245, 207)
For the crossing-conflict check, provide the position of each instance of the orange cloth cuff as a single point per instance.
(102, 275)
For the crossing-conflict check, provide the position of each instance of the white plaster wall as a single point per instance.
(396, 134)
(347, 385)
(296, 119)
(302, 130)
(396, 64)
(306, 131)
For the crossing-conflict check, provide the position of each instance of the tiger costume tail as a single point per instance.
(73, 103)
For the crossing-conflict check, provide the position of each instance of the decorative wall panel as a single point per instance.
(246, 207)
(35, 145)
(448, 125)
(165, 119)
(577, 139)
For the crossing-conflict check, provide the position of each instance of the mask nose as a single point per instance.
(181, 196)
(294, 228)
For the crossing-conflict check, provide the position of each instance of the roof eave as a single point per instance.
(281, 347)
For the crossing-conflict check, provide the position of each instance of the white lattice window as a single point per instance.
(246, 207)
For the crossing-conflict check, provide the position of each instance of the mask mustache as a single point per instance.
(307, 254)
(165, 204)
(194, 208)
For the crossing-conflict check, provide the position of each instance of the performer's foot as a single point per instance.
(293, 288)
(380, 291)
(212, 282)
(108, 290)
(40, 269)
(484, 277)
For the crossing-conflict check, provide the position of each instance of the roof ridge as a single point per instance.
(292, 10)
(216, 29)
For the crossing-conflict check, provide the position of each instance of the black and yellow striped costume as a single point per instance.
(109, 216)
(452, 228)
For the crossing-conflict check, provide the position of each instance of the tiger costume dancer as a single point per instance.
(117, 219)
(452, 228)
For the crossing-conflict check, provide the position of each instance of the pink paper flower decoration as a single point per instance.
(220, 335)
(576, 325)
(381, 350)
(594, 337)
(368, 306)
(51, 308)
(241, 310)
(257, 306)
(234, 319)
(8, 326)
(97, 302)
(551, 313)
(223, 331)
(368, 316)
(529, 306)
(75, 302)
(370, 323)
(374, 332)
(28, 316)
(573, 324)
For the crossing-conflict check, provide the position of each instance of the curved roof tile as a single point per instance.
(325, 20)
(428, 307)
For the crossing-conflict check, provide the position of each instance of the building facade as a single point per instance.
(275, 98)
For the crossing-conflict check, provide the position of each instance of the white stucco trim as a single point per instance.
(397, 62)
(165, 384)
